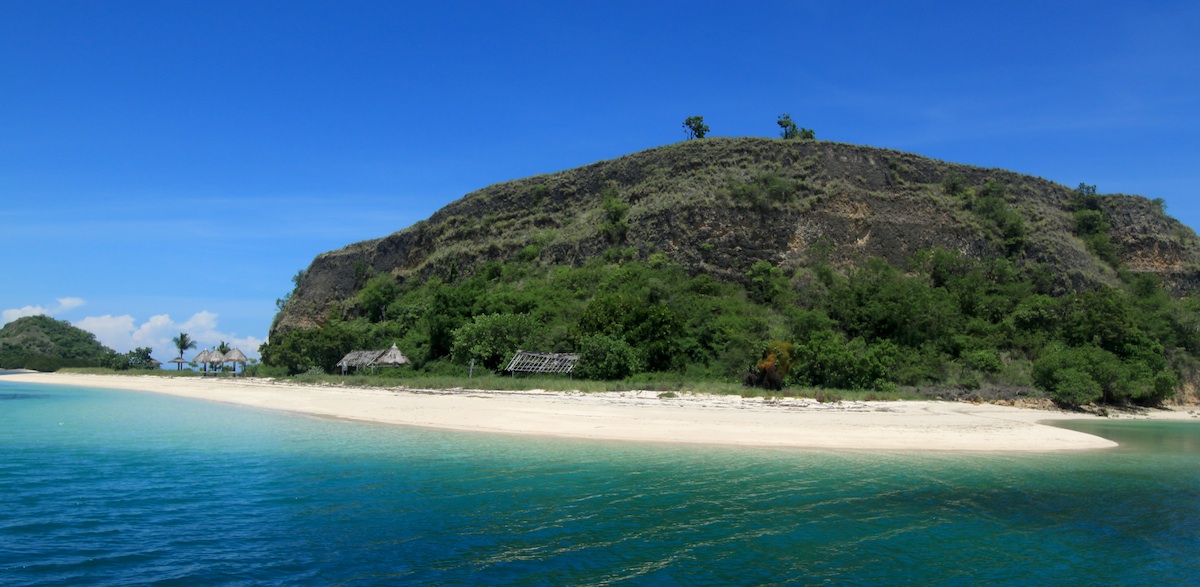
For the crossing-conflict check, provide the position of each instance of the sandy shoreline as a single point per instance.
(643, 416)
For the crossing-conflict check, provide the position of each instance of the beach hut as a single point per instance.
(202, 359)
(357, 360)
(236, 356)
(216, 358)
(179, 362)
(386, 358)
(391, 358)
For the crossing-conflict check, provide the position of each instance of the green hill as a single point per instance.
(45, 344)
(828, 264)
(717, 206)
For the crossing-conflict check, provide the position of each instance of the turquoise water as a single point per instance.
(119, 488)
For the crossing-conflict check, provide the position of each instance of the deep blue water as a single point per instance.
(120, 488)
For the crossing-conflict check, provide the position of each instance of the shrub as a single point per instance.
(1090, 222)
(764, 377)
(779, 356)
(490, 340)
(298, 350)
(827, 359)
(1073, 387)
(766, 282)
(376, 294)
(762, 189)
(138, 358)
(614, 226)
(986, 360)
(529, 253)
(970, 381)
(990, 205)
(1164, 386)
(261, 370)
(955, 185)
(444, 369)
(1060, 369)
(605, 357)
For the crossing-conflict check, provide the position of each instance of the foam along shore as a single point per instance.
(643, 416)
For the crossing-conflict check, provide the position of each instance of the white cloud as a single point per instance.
(114, 332)
(64, 305)
(13, 314)
(123, 333)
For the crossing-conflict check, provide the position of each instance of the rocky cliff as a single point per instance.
(719, 205)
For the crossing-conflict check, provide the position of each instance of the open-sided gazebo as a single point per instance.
(202, 359)
(236, 356)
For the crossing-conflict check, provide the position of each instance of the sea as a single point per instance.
(103, 487)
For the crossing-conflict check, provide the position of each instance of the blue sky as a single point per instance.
(168, 166)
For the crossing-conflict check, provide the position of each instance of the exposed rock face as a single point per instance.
(719, 205)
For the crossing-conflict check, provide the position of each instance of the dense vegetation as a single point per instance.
(45, 344)
(945, 320)
(42, 343)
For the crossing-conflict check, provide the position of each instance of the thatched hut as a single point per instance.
(216, 357)
(391, 358)
(386, 358)
(202, 359)
(236, 356)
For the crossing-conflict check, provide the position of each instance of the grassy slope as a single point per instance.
(714, 206)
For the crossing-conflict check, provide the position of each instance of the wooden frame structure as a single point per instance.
(527, 362)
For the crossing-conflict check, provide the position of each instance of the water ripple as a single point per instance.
(116, 489)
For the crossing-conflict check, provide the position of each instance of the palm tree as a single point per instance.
(223, 349)
(183, 342)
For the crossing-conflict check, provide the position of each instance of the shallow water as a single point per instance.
(115, 488)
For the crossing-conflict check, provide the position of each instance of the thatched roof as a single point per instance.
(359, 358)
(392, 357)
(387, 358)
(236, 356)
(201, 358)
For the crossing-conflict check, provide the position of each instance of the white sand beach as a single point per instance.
(645, 417)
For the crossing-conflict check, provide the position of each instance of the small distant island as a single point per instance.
(41, 343)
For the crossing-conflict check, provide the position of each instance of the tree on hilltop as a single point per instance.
(695, 127)
(788, 129)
